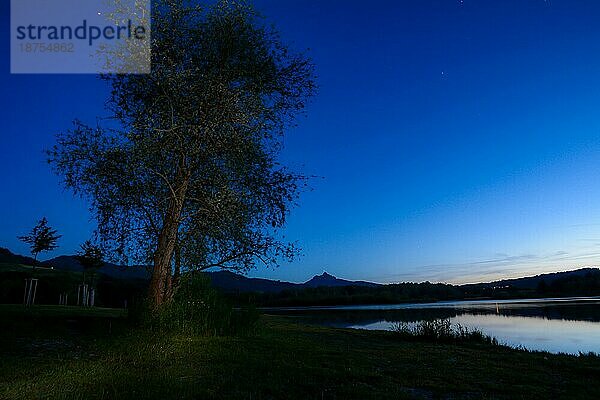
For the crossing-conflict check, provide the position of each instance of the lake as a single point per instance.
(558, 325)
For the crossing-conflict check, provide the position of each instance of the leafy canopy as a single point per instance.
(187, 162)
(90, 255)
(41, 238)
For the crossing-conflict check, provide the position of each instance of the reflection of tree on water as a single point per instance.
(574, 311)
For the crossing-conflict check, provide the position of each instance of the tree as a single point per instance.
(41, 238)
(90, 257)
(188, 177)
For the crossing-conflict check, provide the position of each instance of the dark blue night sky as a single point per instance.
(458, 140)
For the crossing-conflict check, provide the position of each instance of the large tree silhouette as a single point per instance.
(189, 177)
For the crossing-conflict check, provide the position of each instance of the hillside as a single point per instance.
(232, 282)
(331, 281)
(532, 282)
(225, 280)
(581, 281)
(71, 263)
(8, 257)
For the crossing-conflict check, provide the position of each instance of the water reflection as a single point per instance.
(556, 325)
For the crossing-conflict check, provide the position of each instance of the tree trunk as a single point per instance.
(163, 254)
(167, 239)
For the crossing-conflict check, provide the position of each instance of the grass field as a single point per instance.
(39, 271)
(92, 354)
(58, 312)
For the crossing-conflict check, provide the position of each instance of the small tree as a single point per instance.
(41, 238)
(90, 257)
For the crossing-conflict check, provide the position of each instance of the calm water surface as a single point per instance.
(567, 325)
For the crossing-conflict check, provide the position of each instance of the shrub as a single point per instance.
(197, 308)
(441, 330)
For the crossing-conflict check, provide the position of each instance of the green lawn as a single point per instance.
(52, 311)
(106, 360)
(40, 271)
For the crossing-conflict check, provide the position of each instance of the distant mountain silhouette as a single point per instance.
(232, 282)
(6, 256)
(329, 280)
(71, 263)
(531, 282)
(225, 280)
